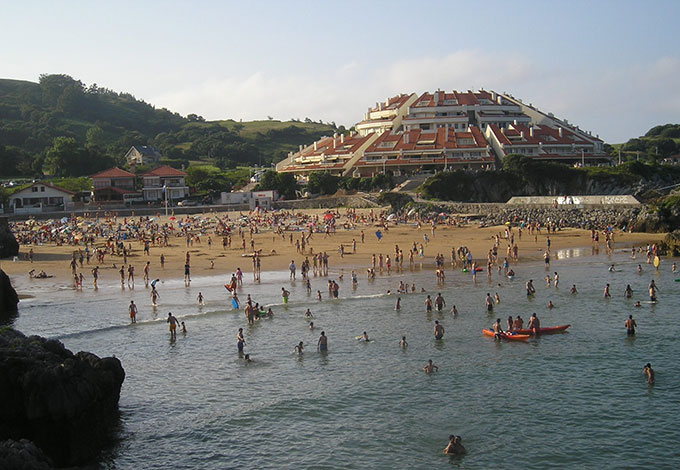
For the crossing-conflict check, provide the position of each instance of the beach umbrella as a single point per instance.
(391, 216)
(173, 218)
(328, 217)
(64, 219)
(411, 212)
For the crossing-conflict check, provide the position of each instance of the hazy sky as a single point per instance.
(612, 67)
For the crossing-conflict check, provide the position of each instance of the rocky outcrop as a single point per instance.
(8, 296)
(671, 244)
(65, 403)
(23, 455)
(8, 244)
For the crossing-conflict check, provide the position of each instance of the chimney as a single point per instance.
(387, 101)
(436, 97)
(333, 142)
(521, 134)
(342, 138)
(300, 149)
(531, 131)
(559, 132)
(493, 96)
(315, 146)
(514, 123)
(380, 106)
(406, 135)
(500, 100)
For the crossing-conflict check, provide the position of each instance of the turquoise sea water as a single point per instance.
(574, 400)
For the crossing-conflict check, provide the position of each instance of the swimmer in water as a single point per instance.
(311, 325)
(200, 299)
(607, 294)
(438, 330)
(247, 359)
(573, 289)
(628, 293)
(649, 372)
(498, 298)
(298, 349)
(403, 342)
(184, 328)
(364, 337)
(308, 314)
(612, 268)
(430, 367)
(630, 326)
(454, 311)
(550, 304)
(637, 304)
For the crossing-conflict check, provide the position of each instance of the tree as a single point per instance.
(284, 183)
(322, 182)
(64, 158)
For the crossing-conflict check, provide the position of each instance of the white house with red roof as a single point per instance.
(162, 180)
(41, 197)
(113, 184)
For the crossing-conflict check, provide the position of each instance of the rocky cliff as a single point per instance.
(8, 244)
(8, 296)
(63, 402)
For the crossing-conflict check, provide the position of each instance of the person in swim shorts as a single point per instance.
(322, 344)
(630, 326)
(173, 324)
(240, 341)
(438, 330)
(133, 312)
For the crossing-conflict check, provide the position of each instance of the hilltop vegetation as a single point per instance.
(62, 127)
(658, 143)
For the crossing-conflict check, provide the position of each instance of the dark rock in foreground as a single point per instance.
(8, 296)
(8, 244)
(23, 455)
(63, 402)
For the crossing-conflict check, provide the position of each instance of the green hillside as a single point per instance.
(658, 143)
(62, 127)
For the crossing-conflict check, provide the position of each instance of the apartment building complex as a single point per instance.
(411, 133)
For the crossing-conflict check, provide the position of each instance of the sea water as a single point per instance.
(573, 400)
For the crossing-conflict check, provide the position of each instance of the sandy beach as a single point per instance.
(277, 250)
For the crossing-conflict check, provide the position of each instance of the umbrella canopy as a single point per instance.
(173, 218)
(328, 217)
(391, 216)
(411, 212)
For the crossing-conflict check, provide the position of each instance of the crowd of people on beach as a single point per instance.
(107, 241)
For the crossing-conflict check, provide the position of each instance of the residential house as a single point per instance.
(142, 155)
(41, 197)
(113, 184)
(165, 182)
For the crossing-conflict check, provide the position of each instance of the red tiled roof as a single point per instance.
(165, 170)
(114, 172)
(441, 138)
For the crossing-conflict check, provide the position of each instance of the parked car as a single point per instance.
(187, 203)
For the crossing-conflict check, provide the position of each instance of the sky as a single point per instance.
(611, 67)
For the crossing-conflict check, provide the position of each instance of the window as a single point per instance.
(34, 189)
(42, 189)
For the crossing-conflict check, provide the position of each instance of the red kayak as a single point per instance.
(508, 336)
(543, 331)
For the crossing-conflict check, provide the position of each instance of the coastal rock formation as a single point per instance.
(63, 402)
(8, 244)
(23, 455)
(8, 296)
